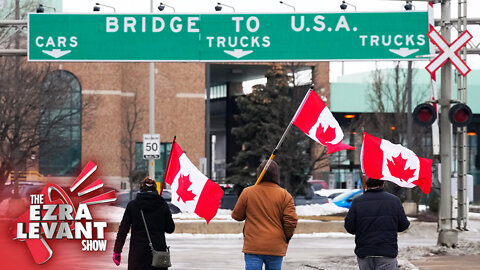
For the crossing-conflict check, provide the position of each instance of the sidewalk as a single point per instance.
(448, 262)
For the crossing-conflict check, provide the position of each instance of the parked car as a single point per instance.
(333, 195)
(331, 192)
(345, 199)
(229, 198)
(24, 190)
(310, 198)
(318, 184)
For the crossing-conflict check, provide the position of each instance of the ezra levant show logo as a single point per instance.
(53, 215)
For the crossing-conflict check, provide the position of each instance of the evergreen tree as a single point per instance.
(264, 116)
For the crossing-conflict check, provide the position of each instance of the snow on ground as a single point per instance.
(330, 191)
(4, 206)
(115, 213)
(107, 212)
(472, 215)
(319, 209)
(464, 247)
(188, 236)
(240, 236)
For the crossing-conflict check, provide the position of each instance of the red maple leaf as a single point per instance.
(183, 193)
(325, 136)
(397, 168)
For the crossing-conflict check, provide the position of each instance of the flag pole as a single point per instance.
(363, 175)
(168, 163)
(282, 138)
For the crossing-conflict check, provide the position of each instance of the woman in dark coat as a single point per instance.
(159, 221)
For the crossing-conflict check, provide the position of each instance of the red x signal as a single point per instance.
(448, 52)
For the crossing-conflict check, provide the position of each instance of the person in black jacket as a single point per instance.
(159, 221)
(375, 218)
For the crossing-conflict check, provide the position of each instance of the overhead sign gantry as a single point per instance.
(228, 37)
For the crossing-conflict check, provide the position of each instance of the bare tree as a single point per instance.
(131, 118)
(34, 110)
(8, 12)
(388, 98)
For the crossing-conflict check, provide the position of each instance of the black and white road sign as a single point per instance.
(151, 146)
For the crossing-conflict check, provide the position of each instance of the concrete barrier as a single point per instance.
(227, 226)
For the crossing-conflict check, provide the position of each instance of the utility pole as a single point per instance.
(447, 235)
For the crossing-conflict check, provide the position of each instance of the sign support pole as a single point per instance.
(447, 235)
(151, 162)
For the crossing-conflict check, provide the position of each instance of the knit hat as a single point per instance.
(272, 174)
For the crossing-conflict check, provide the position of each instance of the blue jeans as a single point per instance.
(255, 262)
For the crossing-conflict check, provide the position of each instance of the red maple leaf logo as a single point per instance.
(326, 136)
(397, 168)
(183, 193)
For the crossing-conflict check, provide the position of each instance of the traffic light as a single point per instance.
(460, 115)
(424, 114)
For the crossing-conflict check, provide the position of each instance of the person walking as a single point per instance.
(375, 218)
(270, 220)
(159, 221)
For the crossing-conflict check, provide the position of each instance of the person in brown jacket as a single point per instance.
(270, 220)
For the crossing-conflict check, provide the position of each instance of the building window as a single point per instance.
(60, 152)
(141, 165)
(218, 91)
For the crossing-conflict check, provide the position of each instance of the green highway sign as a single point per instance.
(228, 37)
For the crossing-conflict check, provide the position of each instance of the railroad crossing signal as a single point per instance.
(425, 114)
(448, 52)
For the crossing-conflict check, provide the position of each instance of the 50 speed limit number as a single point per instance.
(151, 146)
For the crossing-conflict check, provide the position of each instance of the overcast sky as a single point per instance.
(273, 6)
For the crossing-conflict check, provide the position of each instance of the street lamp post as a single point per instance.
(219, 5)
(162, 6)
(97, 7)
(345, 4)
(41, 8)
(287, 4)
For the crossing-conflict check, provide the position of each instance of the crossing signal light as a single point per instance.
(460, 115)
(424, 114)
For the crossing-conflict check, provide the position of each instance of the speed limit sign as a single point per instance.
(151, 146)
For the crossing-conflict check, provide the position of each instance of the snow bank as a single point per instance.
(475, 216)
(4, 206)
(328, 192)
(107, 212)
(320, 209)
(115, 213)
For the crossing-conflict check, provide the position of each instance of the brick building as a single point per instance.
(179, 110)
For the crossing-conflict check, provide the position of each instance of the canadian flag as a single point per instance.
(192, 192)
(384, 160)
(315, 119)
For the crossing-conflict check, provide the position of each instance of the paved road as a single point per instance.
(305, 252)
(322, 251)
